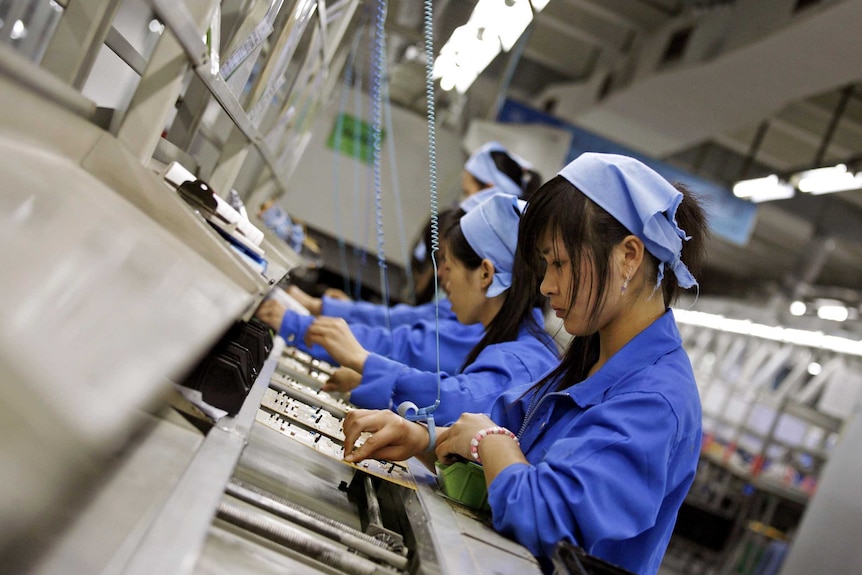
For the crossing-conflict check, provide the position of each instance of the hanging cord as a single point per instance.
(358, 253)
(396, 192)
(377, 89)
(408, 409)
(336, 144)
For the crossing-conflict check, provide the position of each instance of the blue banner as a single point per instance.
(729, 217)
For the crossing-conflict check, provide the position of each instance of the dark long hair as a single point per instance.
(510, 168)
(417, 266)
(560, 209)
(521, 297)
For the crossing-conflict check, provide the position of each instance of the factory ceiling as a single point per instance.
(726, 90)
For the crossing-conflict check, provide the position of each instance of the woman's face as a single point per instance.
(558, 284)
(464, 288)
(469, 184)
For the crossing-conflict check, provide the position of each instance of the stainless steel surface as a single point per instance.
(174, 538)
(114, 513)
(293, 538)
(319, 524)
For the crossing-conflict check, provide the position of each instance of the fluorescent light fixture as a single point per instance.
(827, 180)
(494, 26)
(763, 189)
(506, 19)
(464, 56)
(813, 339)
(833, 312)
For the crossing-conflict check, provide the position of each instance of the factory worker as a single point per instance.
(411, 338)
(489, 170)
(360, 312)
(485, 287)
(601, 451)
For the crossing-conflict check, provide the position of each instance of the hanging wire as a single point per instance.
(336, 144)
(396, 192)
(408, 409)
(377, 89)
(432, 166)
(358, 253)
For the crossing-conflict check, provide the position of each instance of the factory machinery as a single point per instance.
(149, 423)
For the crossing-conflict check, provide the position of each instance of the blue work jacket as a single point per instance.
(411, 344)
(375, 314)
(387, 383)
(611, 458)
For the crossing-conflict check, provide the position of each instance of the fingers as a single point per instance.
(325, 330)
(271, 313)
(381, 424)
(343, 380)
(334, 335)
(355, 422)
(336, 293)
(312, 304)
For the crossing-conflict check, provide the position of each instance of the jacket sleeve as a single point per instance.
(386, 383)
(375, 314)
(603, 479)
(292, 331)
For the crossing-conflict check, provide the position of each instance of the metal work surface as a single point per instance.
(292, 507)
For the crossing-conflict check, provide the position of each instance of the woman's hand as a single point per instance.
(335, 336)
(343, 380)
(271, 313)
(314, 305)
(393, 438)
(336, 293)
(456, 439)
(497, 451)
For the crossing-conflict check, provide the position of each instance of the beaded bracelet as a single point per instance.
(474, 443)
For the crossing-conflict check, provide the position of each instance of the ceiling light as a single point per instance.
(506, 19)
(814, 368)
(798, 308)
(815, 339)
(763, 189)
(19, 31)
(494, 26)
(827, 180)
(833, 312)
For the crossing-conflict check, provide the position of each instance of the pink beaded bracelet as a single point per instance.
(474, 443)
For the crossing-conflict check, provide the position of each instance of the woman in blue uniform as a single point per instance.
(490, 170)
(480, 270)
(601, 451)
(411, 338)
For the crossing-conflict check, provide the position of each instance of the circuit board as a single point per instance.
(394, 472)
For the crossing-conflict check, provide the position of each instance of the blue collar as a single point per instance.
(658, 339)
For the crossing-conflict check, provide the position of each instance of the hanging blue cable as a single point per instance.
(408, 409)
(378, 59)
(336, 144)
(358, 253)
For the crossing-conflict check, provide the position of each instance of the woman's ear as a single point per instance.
(486, 273)
(632, 252)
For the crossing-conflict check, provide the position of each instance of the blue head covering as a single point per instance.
(491, 229)
(474, 200)
(481, 166)
(641, 200)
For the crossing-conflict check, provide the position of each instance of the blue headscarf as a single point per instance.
(491, 229)
(481, 166)
(641, 200)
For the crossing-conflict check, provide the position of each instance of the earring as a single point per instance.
(625, 285)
